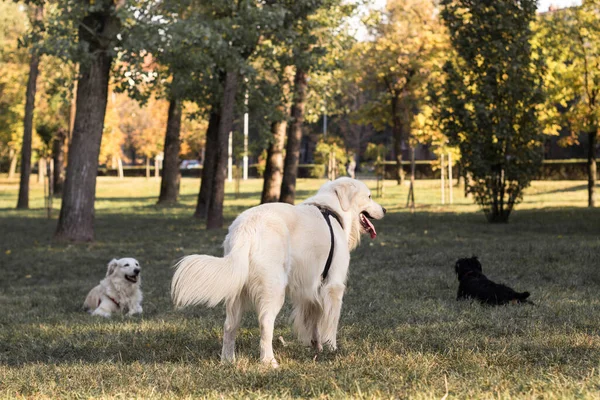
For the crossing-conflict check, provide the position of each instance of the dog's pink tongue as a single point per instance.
(371, 229)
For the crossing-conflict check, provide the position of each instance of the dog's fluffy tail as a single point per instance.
(523, 296)
(208, 280)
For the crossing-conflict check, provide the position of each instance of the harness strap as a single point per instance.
(113, 300)
(326, 214)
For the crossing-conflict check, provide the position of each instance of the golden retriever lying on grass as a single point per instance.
(119, 291)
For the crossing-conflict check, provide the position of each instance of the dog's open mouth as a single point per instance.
(131, 278)
(367, 225)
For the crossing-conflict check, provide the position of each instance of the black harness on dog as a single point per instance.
(326, 214)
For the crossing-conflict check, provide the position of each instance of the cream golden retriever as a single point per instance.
(119, 291)
(277, 246)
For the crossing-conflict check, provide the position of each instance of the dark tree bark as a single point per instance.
(274, 169)
(169, 185)
(592, 172)
(76, 221)
(214, 219)
(292, 154)
(208, 167)
(34, 63)
(58, 155)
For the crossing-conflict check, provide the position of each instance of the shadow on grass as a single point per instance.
(574, 188)
(107, 341)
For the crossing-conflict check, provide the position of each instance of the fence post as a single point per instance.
(450, 192)
(442, 170)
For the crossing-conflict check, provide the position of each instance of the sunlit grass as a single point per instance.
(402, 333)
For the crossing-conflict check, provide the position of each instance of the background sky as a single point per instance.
(361, 32)
(544, 4)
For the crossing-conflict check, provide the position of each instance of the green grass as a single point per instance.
(402, 334)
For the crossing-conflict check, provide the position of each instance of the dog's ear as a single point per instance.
(112, 266)
(344, 194)
(477, 264)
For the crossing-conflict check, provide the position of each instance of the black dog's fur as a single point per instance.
(473, 284)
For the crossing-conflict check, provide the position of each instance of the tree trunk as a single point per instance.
(208, 166)
(274, 169)
(292, 151)
(147, 167)
(398, 140)
(76, 221)
(34, 64)
(410, 202)
(592, 173)
(169, 185)
(58, 155)
(215, 207)
(13, 164)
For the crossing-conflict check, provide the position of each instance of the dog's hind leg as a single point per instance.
(234, 310)
(312, 320)
(306, 316)
(268, 306)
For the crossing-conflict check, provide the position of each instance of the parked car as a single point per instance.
(190, 164)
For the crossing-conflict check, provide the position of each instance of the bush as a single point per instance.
(490, 99)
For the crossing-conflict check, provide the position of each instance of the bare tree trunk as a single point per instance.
(58, 155)
(76, 221)
(169, 185)
(274, 169)
(34, 64)
(398, 140)
(214, 219)
(50, 183)
(208, 167)
(147, 167)
(410, 202)
(592, 172)
(13, 164)
(292, 154)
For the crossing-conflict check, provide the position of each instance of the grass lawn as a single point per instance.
(402, 334)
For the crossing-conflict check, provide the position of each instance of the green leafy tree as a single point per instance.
(571, 40)
(31, 41)
(492, 95)
(397, 65)
(172, 57)
(314, 35)
(53, 110)
(331, 152)
(13, 78)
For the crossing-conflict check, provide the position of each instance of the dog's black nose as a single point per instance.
(136, 271)
(384, 210)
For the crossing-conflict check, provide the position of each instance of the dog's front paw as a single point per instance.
(135, 310)
(101, 313)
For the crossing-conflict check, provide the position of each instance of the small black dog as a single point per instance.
(475, 285)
